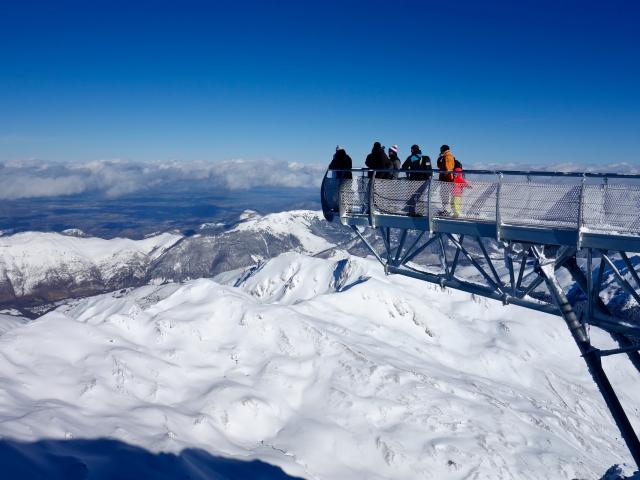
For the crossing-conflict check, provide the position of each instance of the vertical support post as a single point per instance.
(429, 209)
(498, 214)
(372, 215)
(595, 294)
(403, 238)
(385, 233)
(509, 264)
(457, 256)
(581, 210)
(591, 357)
(523, 265)
(443, 259)
(589, 283)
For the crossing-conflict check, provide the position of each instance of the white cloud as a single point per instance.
(114, 178)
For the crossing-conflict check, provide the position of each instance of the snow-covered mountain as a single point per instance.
(39, 268)
(45, 267)
(324, 367)
(253, 239)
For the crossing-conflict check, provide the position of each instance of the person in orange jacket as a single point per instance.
(446, 163)
(459, 184)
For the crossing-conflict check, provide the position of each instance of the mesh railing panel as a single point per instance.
(612, 209)
(609, 209)
(538, 204)
(475, 202)
(354, 196)
(331, 193)
(400, 197)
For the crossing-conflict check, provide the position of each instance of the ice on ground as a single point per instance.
(324, 367)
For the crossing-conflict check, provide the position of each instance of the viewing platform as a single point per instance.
(574, 209)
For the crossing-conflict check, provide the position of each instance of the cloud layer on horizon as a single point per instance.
(115, 178)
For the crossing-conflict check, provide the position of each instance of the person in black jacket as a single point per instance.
(341, 161)
(419, 167)
(416, 161)
(378, 160)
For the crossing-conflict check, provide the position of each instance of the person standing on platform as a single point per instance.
(395, 160)
(446, 164)
(378, 160)
(459, 184)
(341, 161)
(413, 162)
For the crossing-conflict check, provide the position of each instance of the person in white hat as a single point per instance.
(395, 160)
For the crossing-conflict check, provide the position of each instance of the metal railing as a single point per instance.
(584, 202)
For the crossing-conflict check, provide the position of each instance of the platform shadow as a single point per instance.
(103, 459)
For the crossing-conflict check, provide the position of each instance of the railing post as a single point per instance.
(429, 213)
(341, 211)
(581, 210)
(372, 216)
(498, 215)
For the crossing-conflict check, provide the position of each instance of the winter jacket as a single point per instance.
(395, 163)
(378, 160)
(341, 161)
(418, 162)
(459, 183)
(446, 162)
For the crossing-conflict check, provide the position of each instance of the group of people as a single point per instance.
(418, 167)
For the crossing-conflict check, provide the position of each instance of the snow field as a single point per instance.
(324, 367)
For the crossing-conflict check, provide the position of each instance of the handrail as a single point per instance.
(535, 173)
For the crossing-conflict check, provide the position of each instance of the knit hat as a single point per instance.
(338, 147)
(394, 148)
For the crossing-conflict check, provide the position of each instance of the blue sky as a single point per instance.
(527, 82)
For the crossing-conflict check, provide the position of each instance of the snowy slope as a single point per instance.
(30, 260)
(324, 367)
(9, 322)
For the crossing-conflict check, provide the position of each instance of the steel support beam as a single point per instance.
(591, 356)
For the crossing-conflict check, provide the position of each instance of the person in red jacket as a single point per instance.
(459, 184)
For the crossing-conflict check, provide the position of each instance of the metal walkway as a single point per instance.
(548, 241)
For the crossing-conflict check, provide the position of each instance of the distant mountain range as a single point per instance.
(39, 268)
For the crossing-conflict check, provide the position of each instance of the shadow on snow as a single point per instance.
(111, 459)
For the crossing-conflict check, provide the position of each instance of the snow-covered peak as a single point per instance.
(291, 278)
(332, 370)
(247, 214)
(32, 258)
(74, 232)
(294, 223)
